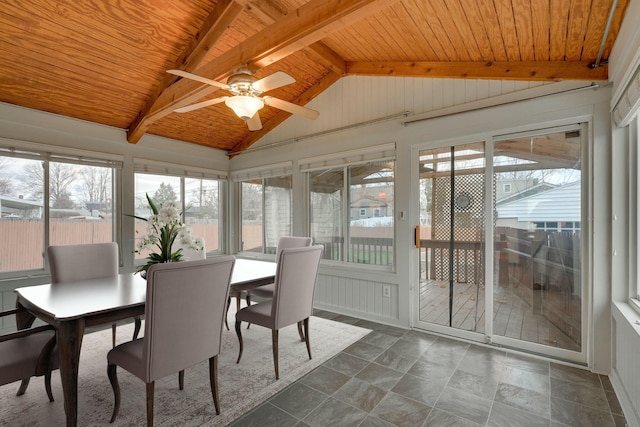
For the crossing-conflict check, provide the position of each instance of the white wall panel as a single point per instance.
(357, 99)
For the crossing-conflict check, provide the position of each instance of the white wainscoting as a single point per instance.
(625, 373)
(363, 298)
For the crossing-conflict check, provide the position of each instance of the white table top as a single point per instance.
(87, 297)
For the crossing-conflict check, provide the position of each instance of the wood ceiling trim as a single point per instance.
(301, 28)
(530, 70)
(223, 14)
(281, 116)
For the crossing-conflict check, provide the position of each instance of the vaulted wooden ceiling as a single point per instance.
(105, 61)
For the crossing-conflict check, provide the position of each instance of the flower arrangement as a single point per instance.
(164, 228)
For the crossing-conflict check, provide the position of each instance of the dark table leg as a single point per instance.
(69, 342)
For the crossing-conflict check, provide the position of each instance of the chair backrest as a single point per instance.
(295, 283)
(287, 242)
(70, 263)
(191, 255)
(185, 309)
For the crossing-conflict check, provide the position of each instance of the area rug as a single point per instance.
(242, 386)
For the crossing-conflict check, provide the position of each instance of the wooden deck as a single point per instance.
(512, 317)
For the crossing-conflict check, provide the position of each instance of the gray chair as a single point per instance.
(185, 309)
(292, 301)
(287, 242)
(71, 263)
(28, 353)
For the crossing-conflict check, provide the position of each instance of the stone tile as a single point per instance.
(614, 403)
(380, 376)
(526, 363)
(372, 421)
(578, 393)
(324, 314)
(265, 415)
(396, 361)
(420, 336)
(507, 416)
(298, 399)
(482, 361)
(606, 382)
(392, 331)
(325, 380)
(380, 340)
(419, 389)
(346, 319)
(346, 363)
(438, 418)
(363, 350)
(431, 371)
(401, 411)
(360, 394)
(368, 324)
(410, 348)
(528, 400)
(576, 375)
(526, 379)
(335, 413)
(481, 386)
(446, 352)
(473, 407)
(573, 414)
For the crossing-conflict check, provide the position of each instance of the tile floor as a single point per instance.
(395, 377)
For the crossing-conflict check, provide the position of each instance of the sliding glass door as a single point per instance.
(501, 232)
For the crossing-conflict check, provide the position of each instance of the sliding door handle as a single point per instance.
(417, 237)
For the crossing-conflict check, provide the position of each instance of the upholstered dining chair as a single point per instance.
(185, 307)
(292, 301)
(286, 242)
(71, 263)
(28, 353)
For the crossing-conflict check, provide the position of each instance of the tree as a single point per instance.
(61, 176)
(95, 186)
(6, 187)
(164, 193)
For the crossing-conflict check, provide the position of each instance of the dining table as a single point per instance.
(71, 307)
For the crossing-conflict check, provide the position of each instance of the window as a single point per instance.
(200, 198)
(266, 212)
(506, 188)
(79, 206)
(341, 200)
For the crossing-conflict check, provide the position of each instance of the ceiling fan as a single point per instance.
(246, 97)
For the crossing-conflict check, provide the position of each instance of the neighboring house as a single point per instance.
(554, 209)
(19, 207)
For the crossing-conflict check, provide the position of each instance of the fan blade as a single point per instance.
(254, 123)
(202, 104)
(273, 81)
(291, 108)
(198, 78)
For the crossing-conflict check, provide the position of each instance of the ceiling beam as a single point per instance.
(537, 71)
(281, 116)
(212, 29)
(297, 30)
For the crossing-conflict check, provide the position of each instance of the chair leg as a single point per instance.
(136, 330)
(181, 380)
(300, 331)
(274, 343)
(23, 386)
(47, 384)
(150, 391)
(239, 333)
(306, 335)
(113, 379)
(226, 322)
(113, 335)
(213, 380)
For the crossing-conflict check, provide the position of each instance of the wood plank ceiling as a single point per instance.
(106, 61)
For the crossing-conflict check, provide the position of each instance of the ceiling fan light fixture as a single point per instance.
(244, 106)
